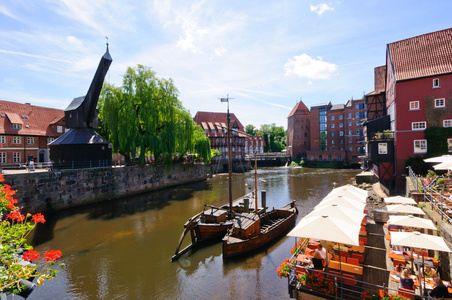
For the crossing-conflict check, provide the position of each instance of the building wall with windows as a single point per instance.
(25, 131)
(298, 131)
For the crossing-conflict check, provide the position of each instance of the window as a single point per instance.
(50, 139)
(350, 124)
(382, 148)
(349, 115)
(357, 131)
(350, 149)
(357, 106)
(358, 114)
(341, 125)
(2, 139)
(341, 133)
(449, 145)
(16, 157)
(16, 126)
(339, 157)
(341, 117)
(349, 141)
(365, 115)
(60, 129)
(418, 125)
(329, 157)
(332, 142)
(349, 132)
(3, 157)
(332, 133)
(447, 123)
(420, 146)
(332, 118)
(436, 83)
(440, 102)
(341, 142)
(30, 140)
(332, 125)
(16, 139)
(358, 123)
(414, 105)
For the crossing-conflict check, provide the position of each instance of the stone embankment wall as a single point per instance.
(41, 192)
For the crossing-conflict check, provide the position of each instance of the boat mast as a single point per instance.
(255, 182)
(230, 216)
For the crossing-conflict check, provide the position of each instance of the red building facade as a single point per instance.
(298, 129)
(25, 131)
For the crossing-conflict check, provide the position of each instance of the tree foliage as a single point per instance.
(145, 117)
(274, 136)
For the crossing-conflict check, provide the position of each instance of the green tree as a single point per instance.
(250, 129)
(274, 136)
(144, 116)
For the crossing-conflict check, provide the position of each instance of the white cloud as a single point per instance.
(6, 12)
(320, 8)
(33, 55)
(307, 67)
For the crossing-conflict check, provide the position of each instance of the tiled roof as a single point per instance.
(337, 106)
(425, 55)
(35, 120)
(214, 117)
(299, 108)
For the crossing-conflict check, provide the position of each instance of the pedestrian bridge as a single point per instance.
(269, 159)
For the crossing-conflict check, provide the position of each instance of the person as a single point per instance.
(31, 166)
(50, 166)
(429, 272)
(405, 280)
(319, 259)
(440, 289)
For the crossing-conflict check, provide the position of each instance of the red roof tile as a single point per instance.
(299, 108)
(213, 117)
(35, 120)
(425, 55)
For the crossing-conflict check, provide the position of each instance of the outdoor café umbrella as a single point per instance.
(411, 221)
(340, 212)
(439, 159)
(447, 165)
(406, 209)
(399, 200)
(343, 201)
(346, 194)
(418, 240)
(328, 228)
(353, 188)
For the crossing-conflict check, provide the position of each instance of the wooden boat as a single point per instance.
(252, 231)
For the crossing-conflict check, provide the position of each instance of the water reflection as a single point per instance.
(122, 249)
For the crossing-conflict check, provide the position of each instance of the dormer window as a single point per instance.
(16, 126)
(436, 83)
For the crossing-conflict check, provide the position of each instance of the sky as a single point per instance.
(265, 55)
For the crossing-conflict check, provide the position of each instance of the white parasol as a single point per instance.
(343, 201)
(346, 193)
(404, 208)
(411, 221)
(447, 165)
(353, 188)
(399, 200)
(418, 240)
(340, 212)
(439, 159)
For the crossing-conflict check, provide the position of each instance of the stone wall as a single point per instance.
(41, 192)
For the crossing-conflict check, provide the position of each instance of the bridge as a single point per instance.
(269, 159)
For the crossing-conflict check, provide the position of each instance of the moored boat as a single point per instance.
(252, 231)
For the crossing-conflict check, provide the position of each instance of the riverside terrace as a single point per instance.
(368, 269)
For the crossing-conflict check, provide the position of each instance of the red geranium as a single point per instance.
(38, 218)
(52, 255)
(31, 255)
(15, 215)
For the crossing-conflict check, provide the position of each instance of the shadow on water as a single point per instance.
(111, 209)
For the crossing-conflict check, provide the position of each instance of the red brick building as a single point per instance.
(25, 131)
(298, 138)
(418, 91)
(335, 132)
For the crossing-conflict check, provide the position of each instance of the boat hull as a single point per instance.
(233, 246)
(208, 231)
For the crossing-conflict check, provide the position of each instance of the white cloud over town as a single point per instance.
(305, 66)
(320, 8)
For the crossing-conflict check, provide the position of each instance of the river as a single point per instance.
(122, 249)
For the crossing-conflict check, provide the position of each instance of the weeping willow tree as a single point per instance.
(145, 117)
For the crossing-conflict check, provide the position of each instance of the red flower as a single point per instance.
(52, 255)
(15, 215)
(10, 206)
(38, 218)
(31, 255)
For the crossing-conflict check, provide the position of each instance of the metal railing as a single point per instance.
(439, 200)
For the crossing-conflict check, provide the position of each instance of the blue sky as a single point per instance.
(264, 54)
